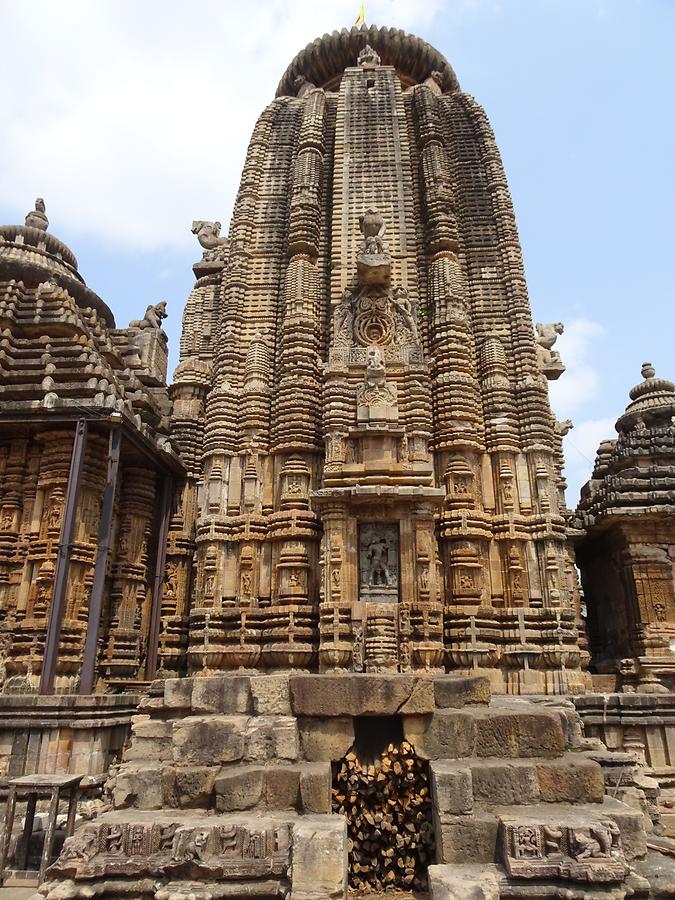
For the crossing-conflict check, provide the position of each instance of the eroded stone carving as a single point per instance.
(589, 853)
(37, 218)
(549, 359)
(208, 235)
(154, 315)
(376, 398)
(368, 58)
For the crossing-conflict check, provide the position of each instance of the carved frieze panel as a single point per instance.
(590, 852)
(223, 850)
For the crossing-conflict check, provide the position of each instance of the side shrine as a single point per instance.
(308, 619)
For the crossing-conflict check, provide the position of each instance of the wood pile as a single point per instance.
(388, 811)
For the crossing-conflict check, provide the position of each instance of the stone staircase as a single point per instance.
(225, 791)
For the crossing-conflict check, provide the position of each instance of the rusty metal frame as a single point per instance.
(160, 564)
(88, 673)
(57, 607)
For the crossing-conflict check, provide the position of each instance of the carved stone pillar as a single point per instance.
(130, 594)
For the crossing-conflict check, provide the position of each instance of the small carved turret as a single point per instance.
(36, 218)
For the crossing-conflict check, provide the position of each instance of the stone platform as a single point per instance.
(63, 733)
(225, 791)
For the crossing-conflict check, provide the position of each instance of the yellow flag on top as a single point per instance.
(361, 18)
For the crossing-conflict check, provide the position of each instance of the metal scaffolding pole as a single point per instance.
(88, 674)
(57, 607)
(160, 563)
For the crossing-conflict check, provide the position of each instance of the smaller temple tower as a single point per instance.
(627, 553)
(86, 475)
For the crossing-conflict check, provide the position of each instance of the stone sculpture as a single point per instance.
(208, 235)
(36, 218)
(549, 359)
(368, 58)
(154, 314)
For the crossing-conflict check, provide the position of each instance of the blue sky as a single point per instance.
(133, 119)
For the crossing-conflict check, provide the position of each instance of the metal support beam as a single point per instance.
(160, 564)
(58, 603)
(88, 674)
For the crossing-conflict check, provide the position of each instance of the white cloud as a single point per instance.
(580, 447)
(131, 119)
(581, 381)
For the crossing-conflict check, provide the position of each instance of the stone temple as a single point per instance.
(307, 620)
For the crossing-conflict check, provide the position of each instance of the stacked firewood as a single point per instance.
(388, 811)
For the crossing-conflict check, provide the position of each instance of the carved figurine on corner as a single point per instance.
(208, 235)
(549, 359)
(302, 86)
(154, 314)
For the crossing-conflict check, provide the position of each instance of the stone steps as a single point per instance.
(217, 756)
(490, 882)
(460, 786)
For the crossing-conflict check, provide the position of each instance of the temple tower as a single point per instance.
(376, 472)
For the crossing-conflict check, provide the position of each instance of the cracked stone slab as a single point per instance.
(361, 695)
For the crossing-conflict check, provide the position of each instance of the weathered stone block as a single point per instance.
(239, 788)
(194, 787)
(360, 695)
(569, 843)
(325, 739)
(151, 729)
(282, 788)
(271, 737)
(497, 781)
(320, 858)
(448, 734)
(451, 788)
(465, 882)
(631, 826)
(462, 838)
(518, 734)
(178, 693)
(571, 781)
(139, 786)
(271, 695)
(456, 691)
(315, 788)
(229, 694)
(211, 740)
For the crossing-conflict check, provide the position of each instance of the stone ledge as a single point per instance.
(361, 695)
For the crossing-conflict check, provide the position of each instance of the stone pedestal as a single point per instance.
(226, 787)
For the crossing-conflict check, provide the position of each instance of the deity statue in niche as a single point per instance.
(378, 556)
(379, 562)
